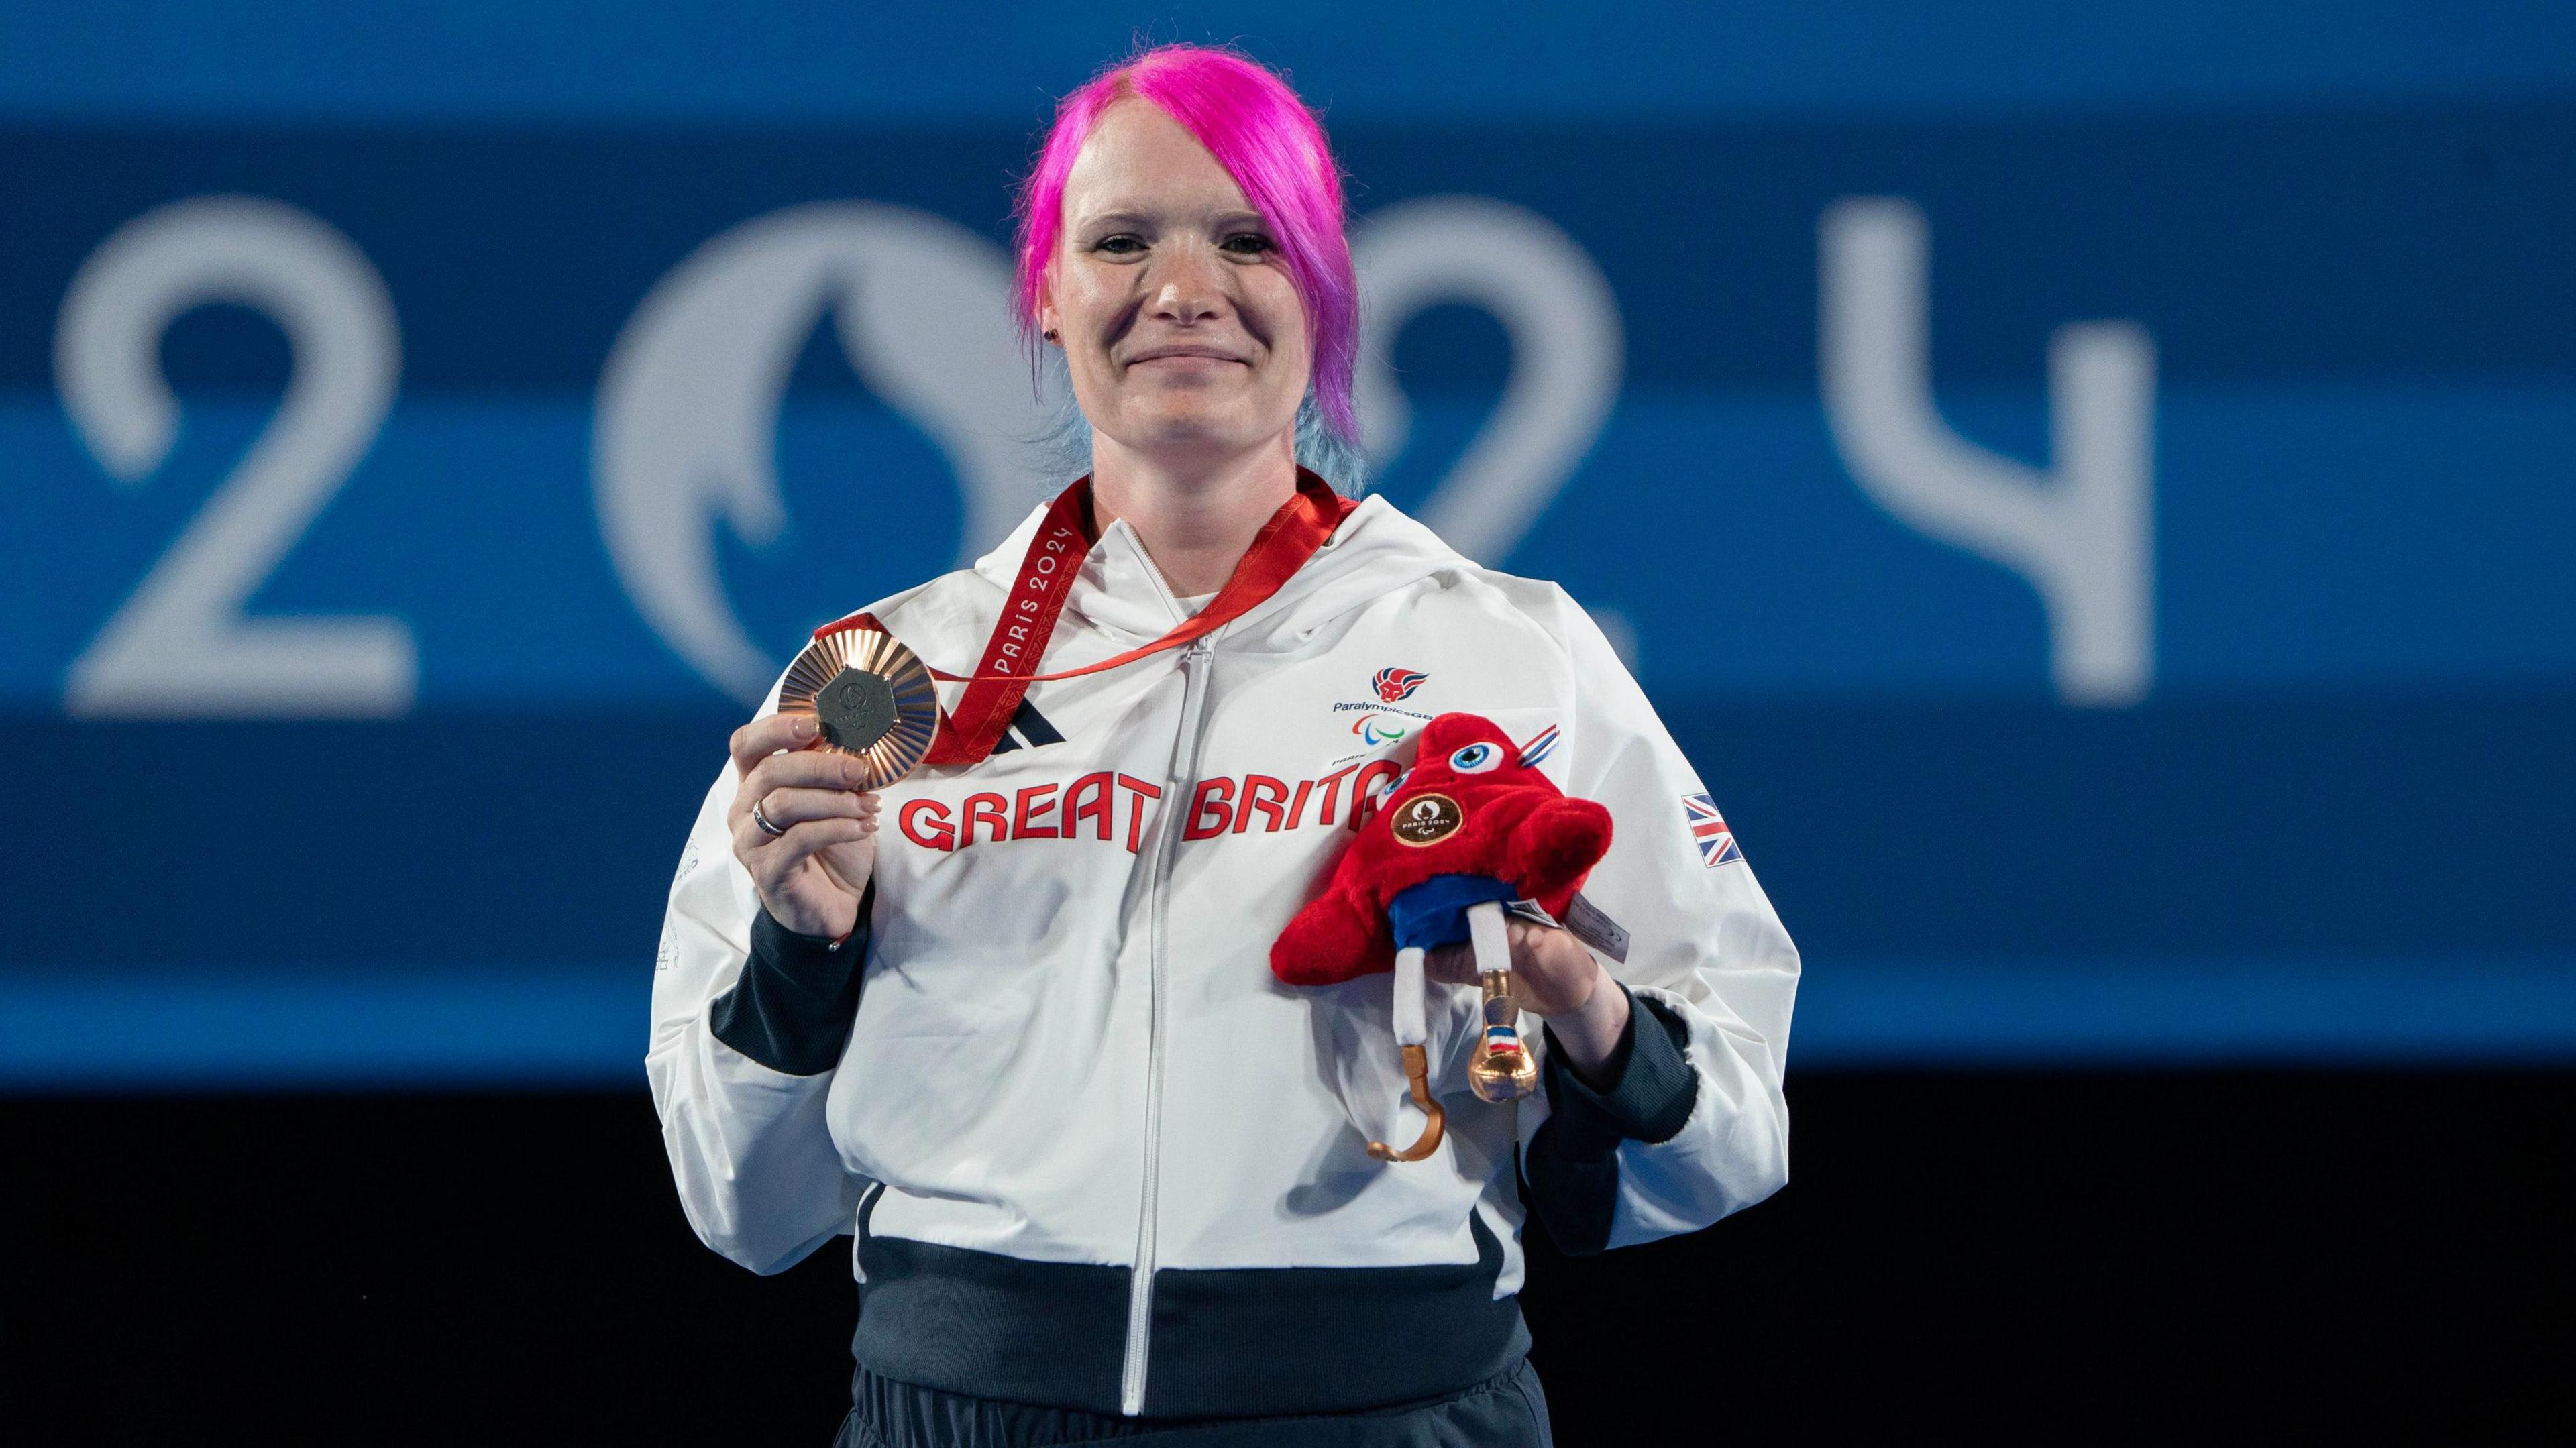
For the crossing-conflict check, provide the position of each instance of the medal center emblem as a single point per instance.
(1427, 819)
(857, 708)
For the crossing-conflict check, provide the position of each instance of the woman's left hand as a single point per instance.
(1553, 975)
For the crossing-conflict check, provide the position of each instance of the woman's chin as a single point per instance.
(1194, 430)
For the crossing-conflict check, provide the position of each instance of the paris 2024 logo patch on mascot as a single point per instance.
(1471, 827)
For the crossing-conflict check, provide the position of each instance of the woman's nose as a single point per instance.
(1186, 289)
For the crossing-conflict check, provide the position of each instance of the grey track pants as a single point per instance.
(1506, 1411)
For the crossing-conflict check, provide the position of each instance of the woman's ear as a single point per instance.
(1050, 326)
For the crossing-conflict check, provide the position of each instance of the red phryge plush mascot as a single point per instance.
(1473, 825)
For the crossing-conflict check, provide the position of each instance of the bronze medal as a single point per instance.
(873, 696)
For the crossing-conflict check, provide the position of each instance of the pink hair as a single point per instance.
(1272, 146)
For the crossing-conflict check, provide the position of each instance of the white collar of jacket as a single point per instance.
(1120, 592)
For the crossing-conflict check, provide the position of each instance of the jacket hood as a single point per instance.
(1376, 550)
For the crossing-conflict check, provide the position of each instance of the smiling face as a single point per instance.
(1180, 326)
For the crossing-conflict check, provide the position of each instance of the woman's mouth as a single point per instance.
(1185, 359)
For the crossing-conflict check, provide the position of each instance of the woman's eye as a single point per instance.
(1120, 245)
(1247, 243)
(1475, 759)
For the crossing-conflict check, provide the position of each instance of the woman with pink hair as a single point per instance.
(1108, 1176)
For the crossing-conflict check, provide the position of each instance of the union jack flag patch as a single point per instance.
(1716, 842)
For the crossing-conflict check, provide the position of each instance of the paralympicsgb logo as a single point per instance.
(1397, 685)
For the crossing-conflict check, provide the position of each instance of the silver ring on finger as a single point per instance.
(762, 820)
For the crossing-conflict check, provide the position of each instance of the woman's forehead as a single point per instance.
(1139, 160)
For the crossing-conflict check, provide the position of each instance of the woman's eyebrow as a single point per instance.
(1148, 219)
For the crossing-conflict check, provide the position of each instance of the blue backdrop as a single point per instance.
(2092, 491)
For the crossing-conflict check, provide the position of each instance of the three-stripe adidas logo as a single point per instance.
(1028, 729)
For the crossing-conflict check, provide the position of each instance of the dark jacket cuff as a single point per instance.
(1650, 1092)
(798, 996)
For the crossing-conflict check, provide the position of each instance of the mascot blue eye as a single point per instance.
(1475, 759)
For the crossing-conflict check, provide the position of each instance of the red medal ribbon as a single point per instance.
(1056, 554)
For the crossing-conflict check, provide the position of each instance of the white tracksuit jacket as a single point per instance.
(1095, 1155)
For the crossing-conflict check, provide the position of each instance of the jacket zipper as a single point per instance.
(1176, 798)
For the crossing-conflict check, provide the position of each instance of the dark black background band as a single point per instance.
(2052, 1261)
(798, 996)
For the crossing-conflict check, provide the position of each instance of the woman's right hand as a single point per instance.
(812, 874)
